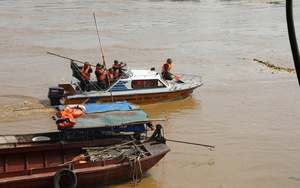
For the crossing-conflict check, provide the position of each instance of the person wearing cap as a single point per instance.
(85, 77)
(100, 75)
(166, 68)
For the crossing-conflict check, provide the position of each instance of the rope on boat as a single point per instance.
(137, 166)
(108, 156)
(137, 170)
(94, 153)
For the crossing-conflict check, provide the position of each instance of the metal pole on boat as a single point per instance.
(101, 49)
(191, 143)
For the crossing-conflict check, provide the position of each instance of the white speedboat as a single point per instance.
(134, 86)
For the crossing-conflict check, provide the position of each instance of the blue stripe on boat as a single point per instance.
(119, 87)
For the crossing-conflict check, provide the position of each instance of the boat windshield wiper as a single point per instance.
(292, 37)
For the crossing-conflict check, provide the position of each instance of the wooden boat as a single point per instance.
(134, 86)
(83, 155)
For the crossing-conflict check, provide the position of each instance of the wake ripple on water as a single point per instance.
(21, 106)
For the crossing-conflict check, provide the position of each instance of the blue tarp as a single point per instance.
(92, 108)
(111, 118)
(118, 117)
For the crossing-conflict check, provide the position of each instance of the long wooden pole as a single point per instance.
(98, 33)
(68, 58)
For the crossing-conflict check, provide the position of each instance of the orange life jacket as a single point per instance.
(116, 70)
(85, 73)
(74, 110)
(110, 75)
(116, 73)
(102, 75)
(66, 121)
(163, 67)
(68, 115)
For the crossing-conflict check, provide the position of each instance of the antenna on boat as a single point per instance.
(101, 49)
(292, 36)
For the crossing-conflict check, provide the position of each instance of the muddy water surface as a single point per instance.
(248, 111)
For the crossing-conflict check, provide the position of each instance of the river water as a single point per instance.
(249, 112)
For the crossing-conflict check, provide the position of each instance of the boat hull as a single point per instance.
(137, 98)
(36, 166)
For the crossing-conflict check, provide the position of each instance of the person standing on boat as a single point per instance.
(100, 75)
(85, 77)
(166, 68)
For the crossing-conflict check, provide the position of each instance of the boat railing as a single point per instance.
(185, 80)
(117, 84)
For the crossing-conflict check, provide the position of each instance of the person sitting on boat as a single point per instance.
(117, 67)
(166, 68)
(86, 71)
(100, 75)
(109, 77)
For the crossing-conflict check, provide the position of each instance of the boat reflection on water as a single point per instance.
(166, 109)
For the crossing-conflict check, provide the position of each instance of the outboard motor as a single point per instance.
(55, 94)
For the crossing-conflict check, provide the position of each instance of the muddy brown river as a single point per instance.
(249, 112)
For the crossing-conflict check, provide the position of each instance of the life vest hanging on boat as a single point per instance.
(67, 115)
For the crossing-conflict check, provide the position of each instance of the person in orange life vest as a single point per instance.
(100, 75)
(109, 77)
(117, 67)
(85, 77)
(165, 71)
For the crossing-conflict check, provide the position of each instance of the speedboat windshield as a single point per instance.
(127, 71)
